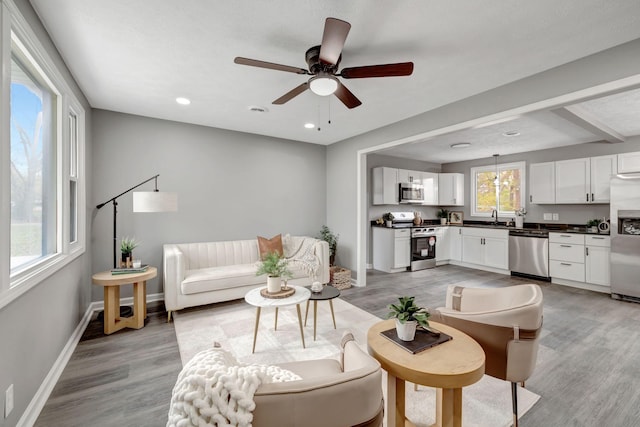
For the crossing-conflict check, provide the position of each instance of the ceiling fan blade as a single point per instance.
(291, 94)
(347, 98)
(333, 38)
(270, 65)
(387, 70)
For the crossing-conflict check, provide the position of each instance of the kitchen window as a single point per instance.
(42, 227)
(498, 186)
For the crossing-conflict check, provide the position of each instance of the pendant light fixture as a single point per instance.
(496, 180)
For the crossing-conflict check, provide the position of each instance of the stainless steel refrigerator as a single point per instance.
(625, 237)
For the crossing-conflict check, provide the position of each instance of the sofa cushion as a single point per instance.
(216, 278)
(267, 246)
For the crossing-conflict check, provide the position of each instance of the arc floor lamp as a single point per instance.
(143, 201)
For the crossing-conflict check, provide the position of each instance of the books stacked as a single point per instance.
(424, 339)
(130, 270)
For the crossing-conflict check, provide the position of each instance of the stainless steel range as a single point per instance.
(423, 248)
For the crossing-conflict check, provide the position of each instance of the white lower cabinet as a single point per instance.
(486, 247)
(443, 244)
(455, 243)
(580, 260)
(597, 262)
(391, 249)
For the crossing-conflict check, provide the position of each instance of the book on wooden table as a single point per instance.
(424, 339)
(129, 270)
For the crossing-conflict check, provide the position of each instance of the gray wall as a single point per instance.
(230, 186)
(568, 214)
(36, 326)
(342, 158)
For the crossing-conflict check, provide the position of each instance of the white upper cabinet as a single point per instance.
(602, 169)
(385, 186)
(542, 183)
(407, 176)
(629, 162)
(572, 181)
(430, 187)
(451, 189)
(584, 180)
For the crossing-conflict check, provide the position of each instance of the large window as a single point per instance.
(42, 220)
(498, 187)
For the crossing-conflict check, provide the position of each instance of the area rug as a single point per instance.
(485, 404)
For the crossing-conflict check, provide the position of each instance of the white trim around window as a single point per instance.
(14, 30)
(518, 192)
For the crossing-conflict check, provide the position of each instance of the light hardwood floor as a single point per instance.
(587, 372)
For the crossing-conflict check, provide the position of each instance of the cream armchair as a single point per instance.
(506, 322)
(331, 393)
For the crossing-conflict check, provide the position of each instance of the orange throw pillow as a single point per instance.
(266, 246)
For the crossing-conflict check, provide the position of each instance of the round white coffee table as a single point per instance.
(254, 298)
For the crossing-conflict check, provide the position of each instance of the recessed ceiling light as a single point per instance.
(461, 145)
(257, 109)
(511, 133)
(183, 101)
(309, 125)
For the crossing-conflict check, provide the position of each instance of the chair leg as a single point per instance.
(169, 316)
(514, 400)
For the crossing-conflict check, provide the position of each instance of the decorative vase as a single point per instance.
(519, 221)
(443, 221)
(126, 260)
(406, 331)
(274, 284)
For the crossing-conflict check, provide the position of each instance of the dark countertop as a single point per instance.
(560, 228)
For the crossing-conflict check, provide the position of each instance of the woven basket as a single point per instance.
(340, 277)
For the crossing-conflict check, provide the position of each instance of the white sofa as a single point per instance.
(204, 273)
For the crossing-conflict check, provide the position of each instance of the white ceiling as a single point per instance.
(137, 56)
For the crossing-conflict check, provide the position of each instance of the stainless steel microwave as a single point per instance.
(411, 193)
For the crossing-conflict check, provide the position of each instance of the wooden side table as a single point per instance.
(111, 283)
(448, 367)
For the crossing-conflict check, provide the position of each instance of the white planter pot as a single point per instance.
(519, 221)
(389, 224)
(407, 330)
(273, 284)
(443, 221)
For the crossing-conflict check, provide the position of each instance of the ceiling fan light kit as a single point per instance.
(323, 64)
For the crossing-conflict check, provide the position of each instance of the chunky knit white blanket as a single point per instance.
(300, 251)
(213, 389)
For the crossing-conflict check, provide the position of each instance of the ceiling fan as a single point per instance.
(323, 64)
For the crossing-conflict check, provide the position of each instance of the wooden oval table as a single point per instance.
(448, 367)
(112, 282)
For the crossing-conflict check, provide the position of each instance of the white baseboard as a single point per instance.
(38, 401)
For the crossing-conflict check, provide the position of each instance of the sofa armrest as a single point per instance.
(321, 249)
(173, 263)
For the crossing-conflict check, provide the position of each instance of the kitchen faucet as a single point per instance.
(494, 212)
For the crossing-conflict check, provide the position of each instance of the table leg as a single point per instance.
(275, 328)
(111, 308)
(300, 323)
(144, 299)
(395, 403)
(449, 407)
(333, 316)
(139, 309)
(306, 313)
(315, 318)
(255, 331)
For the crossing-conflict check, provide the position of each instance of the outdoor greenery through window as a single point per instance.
(33, 189)
(500, 188)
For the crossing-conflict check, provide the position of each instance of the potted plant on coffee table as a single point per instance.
(275, 267)
(408, 316)
(127, 245)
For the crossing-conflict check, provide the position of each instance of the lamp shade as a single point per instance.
(154, 201)
(323, 84)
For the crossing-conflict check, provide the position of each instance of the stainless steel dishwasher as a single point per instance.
(529, 253)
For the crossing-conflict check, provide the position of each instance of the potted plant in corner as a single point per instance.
(332, 239)
(443, 214)
(408, 316)
(275, 267)
(127, 245)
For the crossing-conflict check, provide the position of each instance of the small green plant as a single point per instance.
(407, 310)
(442, 213)
(388, 216)
(332, 239)
(127, 245)
(593, 222)
(274, 265)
